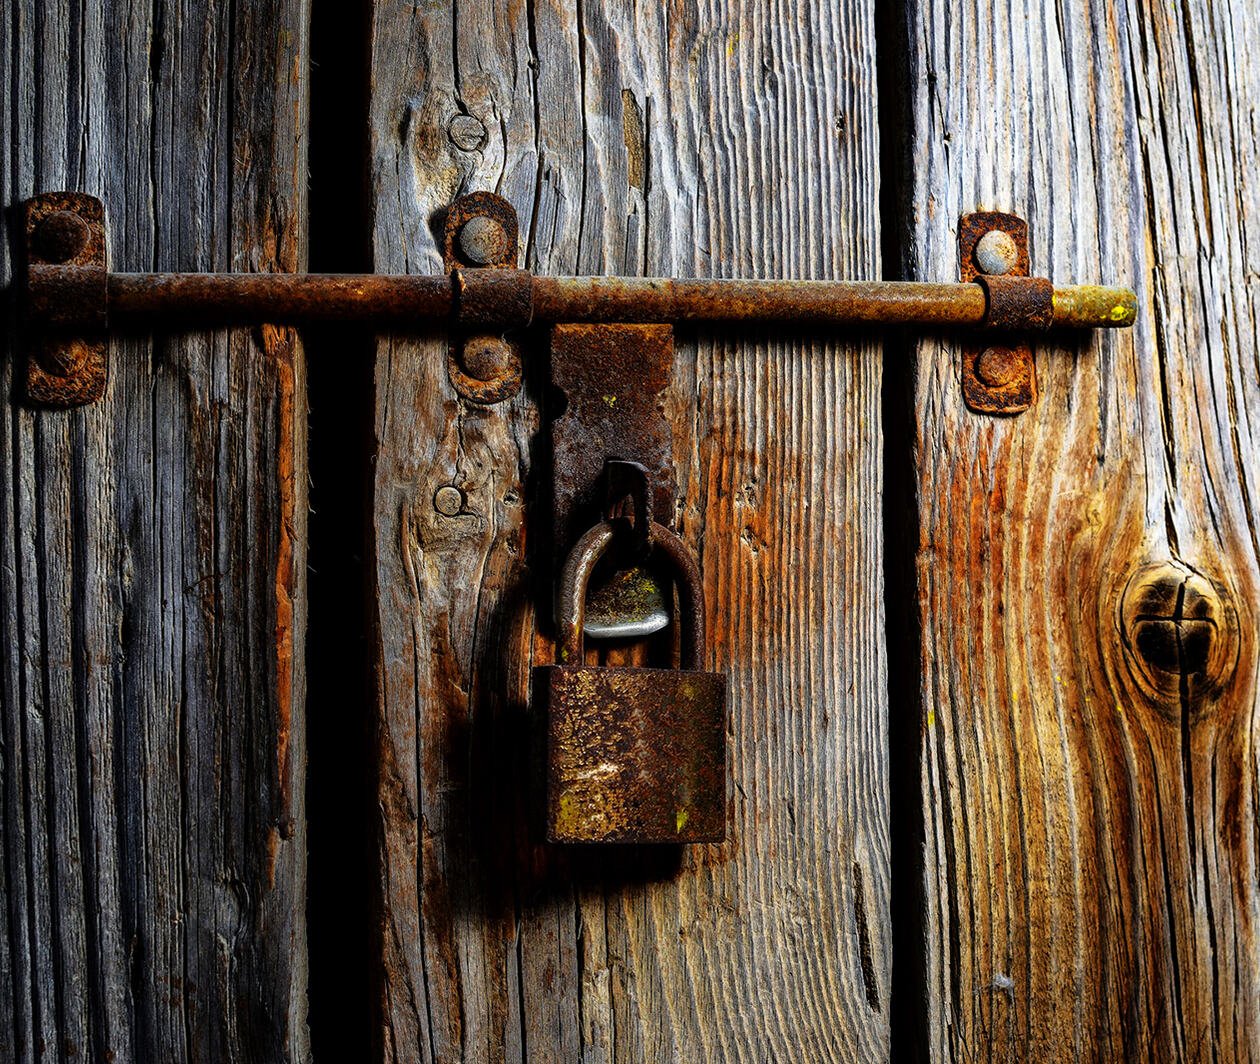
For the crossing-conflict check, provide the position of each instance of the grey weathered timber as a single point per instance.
(152, 556)
(732, 139)
(1090, 785)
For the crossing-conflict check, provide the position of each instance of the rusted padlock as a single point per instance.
(633, 755)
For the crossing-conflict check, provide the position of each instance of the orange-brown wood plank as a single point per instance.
(1088, 571)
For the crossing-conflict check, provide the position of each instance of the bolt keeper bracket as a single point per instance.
(71, 300)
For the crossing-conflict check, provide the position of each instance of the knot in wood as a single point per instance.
(1179, 631)
(466, 132)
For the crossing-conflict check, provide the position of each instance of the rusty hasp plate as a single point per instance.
(613, 379)
(481, 234)
(67, 363)
(999, 375)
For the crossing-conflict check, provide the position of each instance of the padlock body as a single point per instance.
(634, 755)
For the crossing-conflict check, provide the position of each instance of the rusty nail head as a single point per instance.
(996, 252)
(998, 366)
(481, 230)
(60, 236)
(487, 358)
(448, 500)
(482, 240)
(64, 359)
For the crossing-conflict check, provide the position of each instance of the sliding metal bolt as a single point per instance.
(996, 252)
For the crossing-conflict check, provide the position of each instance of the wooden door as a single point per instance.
(993, 680)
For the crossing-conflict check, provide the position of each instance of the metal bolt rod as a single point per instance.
(279, 298)
(415, 300)
(646, 300)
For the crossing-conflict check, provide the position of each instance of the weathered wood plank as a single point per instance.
(706, 138)
(1090, 785)
(152, 559)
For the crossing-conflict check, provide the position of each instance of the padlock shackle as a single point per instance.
(576, 574)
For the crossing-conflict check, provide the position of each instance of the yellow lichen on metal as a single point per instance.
(1092, 306)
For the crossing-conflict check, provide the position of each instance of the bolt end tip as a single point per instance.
(1095, 306)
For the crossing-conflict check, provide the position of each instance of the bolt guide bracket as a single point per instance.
(613, 485)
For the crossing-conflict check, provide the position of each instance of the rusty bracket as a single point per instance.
(64, 238)
(612, 379)
(999, 375)
(481, 233)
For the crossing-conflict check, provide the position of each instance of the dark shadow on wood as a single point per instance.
(341, 777)
(908, 1007)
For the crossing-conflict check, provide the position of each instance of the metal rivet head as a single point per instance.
(63, 358)
(998, 366)
(996, 252)
(448, 500)
(482, 241)
(60, 236)
(466, 132)
(486, 358)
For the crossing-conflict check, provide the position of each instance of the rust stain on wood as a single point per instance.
(279, 344)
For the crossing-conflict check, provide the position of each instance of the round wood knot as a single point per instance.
(466, 132)
(1180, 633)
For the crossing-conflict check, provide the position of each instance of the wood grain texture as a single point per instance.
(152, 559)
(684, 139)
(1091, 807)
